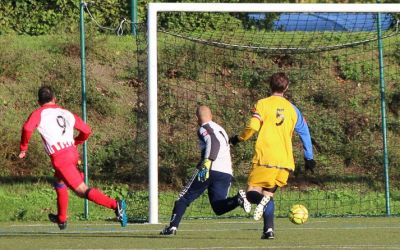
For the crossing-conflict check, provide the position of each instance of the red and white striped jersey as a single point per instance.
(56, 126)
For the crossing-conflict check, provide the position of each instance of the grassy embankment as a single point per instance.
(339, 88)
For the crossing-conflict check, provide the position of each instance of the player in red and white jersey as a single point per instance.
(56, 126)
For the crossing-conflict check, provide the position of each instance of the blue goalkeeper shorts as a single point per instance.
(217, 184)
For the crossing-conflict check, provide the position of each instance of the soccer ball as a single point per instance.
(298, 214)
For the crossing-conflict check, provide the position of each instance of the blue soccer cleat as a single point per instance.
(120, 212)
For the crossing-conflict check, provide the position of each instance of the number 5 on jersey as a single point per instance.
(280, 117)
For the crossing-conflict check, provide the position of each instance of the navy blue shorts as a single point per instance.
(218, 185)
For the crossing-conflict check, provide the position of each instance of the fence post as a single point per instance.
(133, 16)
(383, 113)
(83, 83)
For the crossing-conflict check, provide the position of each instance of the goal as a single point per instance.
(345, 81)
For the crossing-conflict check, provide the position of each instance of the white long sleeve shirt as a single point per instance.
(214, 145)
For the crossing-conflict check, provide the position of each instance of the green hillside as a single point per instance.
(334, 81)
(28, 62)
(343, 113)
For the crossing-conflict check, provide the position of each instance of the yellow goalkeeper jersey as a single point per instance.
(275, 119)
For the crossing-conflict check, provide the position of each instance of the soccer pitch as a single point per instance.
(321, 233)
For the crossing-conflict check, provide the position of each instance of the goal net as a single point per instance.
(343, 73)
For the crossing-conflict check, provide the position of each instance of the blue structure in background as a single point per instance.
(351, 22)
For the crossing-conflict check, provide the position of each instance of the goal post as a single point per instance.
(155, 8)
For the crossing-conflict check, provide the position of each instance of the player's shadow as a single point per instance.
(75, 235)
(26, 179)
(304, 180)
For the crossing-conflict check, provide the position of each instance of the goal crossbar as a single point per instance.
(270, 7)
(155, 8)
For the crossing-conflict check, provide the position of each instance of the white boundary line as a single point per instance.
(258, 247)
(124, 230)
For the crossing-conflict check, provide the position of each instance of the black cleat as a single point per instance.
(168, 230)
(54, 218)
(269, 235)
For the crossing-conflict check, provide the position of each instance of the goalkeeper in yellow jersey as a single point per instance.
(274, 119)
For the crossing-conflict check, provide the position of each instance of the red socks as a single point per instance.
(98, 197)
(92, 194)
(62, 201)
